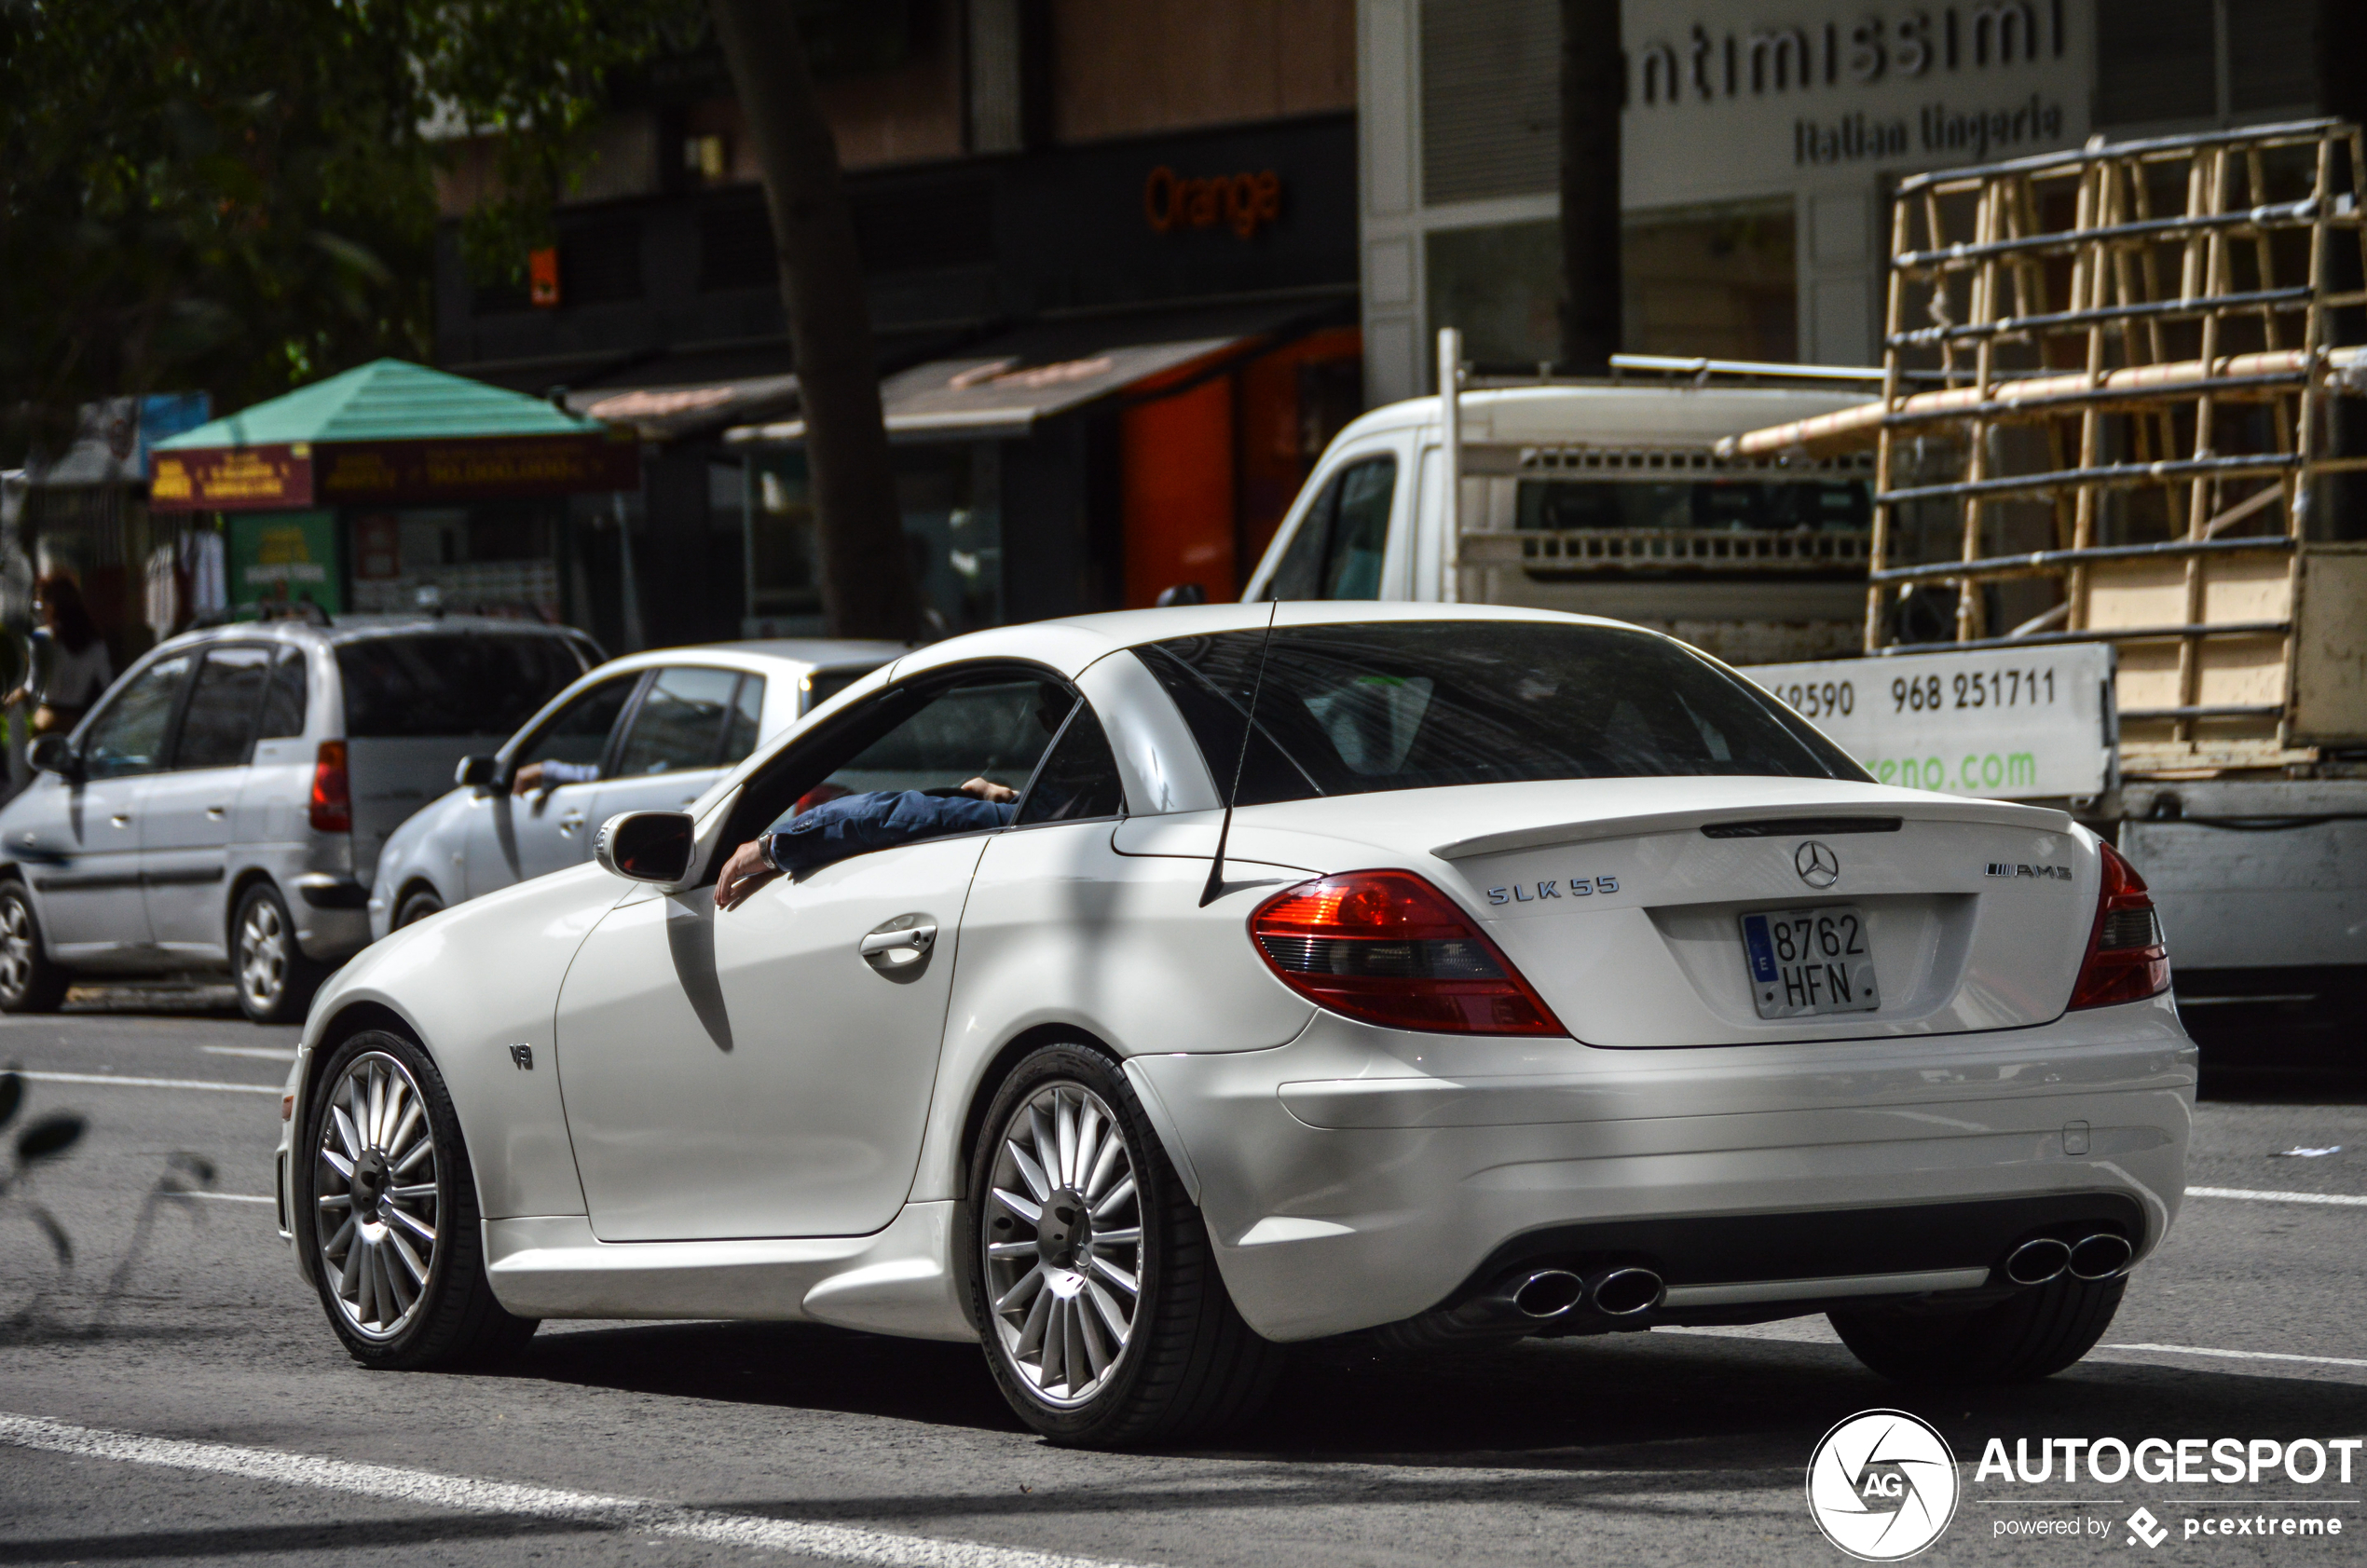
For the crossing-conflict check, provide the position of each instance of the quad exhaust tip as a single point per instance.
(1546, 1293)
(1540, 1295)
(2101, 1256)
(1625, 1292)
(2038, 1261)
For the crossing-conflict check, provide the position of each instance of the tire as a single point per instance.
(406, 1288)
(2031, 1334)
(29, 981)
(275, 980)
(1184, 1363)
(417, 907)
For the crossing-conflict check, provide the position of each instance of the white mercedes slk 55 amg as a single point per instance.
(1151, 990)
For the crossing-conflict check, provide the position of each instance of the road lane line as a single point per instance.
(227, 1198)
(261, 1052)
(149, 1082)
(2275, 1198)
(425, 1488)
(2241, 1355)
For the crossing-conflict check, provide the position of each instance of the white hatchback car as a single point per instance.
(1550, 978)
(656, 728)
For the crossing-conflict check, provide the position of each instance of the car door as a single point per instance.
(513, 837)
(184, 832)
(692, 722)
(767, 1071)
(91, 903)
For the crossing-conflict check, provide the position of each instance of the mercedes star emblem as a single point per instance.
(1817, 864)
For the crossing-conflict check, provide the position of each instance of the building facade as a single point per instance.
(1760, 141)
(1111, 259)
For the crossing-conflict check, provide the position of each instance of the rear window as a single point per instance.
(451, 683)
(1344, 710)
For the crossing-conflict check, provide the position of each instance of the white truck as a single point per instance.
(2095, 535)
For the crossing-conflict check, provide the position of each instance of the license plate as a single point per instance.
(1805, 961)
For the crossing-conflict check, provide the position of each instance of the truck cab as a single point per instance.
(1605, 497)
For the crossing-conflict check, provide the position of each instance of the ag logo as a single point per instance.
(1817, 864)
(1881, 1486)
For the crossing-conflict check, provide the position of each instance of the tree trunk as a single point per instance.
(867, 573)
(1593, 89)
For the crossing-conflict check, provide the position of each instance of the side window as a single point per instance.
(1079, 780)
(1359, 530)
(1299, 575)
(217, 728)
(580, 732)
(747, 719)
(995, 728)
(680, 722)
(285, 701)
(129, 736)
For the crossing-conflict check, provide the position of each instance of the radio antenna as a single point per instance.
(1224, 831)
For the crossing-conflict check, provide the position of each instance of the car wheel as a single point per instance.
(388, 1209)
(1091, 1275)
(417, 907)
(275, 980)
(2031, 1334)
(29, 982)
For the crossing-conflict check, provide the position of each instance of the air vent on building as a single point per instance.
(2155, 61)
(735, 245)
(2271, 51)
(600, 262)
(1491, 109)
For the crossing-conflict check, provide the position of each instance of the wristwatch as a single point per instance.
(764, 850)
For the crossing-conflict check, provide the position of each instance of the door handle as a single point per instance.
(217, 813)
(121, 819)
(899, 949)
(912, 939)
(570, 822)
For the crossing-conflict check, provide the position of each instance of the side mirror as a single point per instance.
(646, 846)
(478, 772)
(1182, 593)
(51, 755)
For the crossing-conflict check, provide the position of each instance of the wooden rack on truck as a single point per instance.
(2121, 403)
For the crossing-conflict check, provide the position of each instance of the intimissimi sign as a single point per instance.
(1904, 87)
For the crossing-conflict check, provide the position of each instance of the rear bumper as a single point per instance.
(1360, 1176)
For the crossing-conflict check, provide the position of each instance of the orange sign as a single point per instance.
(543, 277)
(1243, 202)
(233, 479)
(478, 467)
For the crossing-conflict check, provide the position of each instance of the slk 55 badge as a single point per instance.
(1577, 887)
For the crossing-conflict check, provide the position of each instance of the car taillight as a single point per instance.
(332, 795)
(1387, 947)
(2126, 959)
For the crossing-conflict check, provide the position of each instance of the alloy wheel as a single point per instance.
(378, 1195)
(15, 947)
(1063, 1241)
(262, 955)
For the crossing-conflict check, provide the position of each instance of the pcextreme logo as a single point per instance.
(1882, 1485)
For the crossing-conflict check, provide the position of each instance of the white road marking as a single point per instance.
(2241, 1354)
(426, 1489)
(150, 1083)
(227, 1198)
(2344, 1198)
(261, 1052)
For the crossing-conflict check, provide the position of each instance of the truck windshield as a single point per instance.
(1350, 709)
(451, 683)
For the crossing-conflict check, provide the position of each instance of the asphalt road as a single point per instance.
(177, 1397)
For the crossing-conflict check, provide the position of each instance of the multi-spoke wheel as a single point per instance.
(275, 980)
(1064, 1243)
(29, 982)
(389, 1211)
(1091, 1276)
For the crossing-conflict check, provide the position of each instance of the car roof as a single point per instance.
(770, 656)
(366, 628)
(1071, 644)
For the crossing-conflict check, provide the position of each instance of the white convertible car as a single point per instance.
(1550, 978)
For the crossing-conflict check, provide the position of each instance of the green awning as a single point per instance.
(386, 400)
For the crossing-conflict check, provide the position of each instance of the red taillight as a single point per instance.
(1387, 947)
(332, 795)
(2126, 959)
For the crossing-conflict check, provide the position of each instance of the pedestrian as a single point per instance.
(69, 664)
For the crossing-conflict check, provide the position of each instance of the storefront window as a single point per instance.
(492, 557)
(950, 499)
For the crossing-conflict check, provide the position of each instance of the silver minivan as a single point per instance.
(223, 805)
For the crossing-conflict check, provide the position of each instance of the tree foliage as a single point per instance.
(240, 194)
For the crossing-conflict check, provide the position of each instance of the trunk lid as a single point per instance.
(1969, 914)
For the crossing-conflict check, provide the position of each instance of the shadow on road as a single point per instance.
(1697, 1410)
